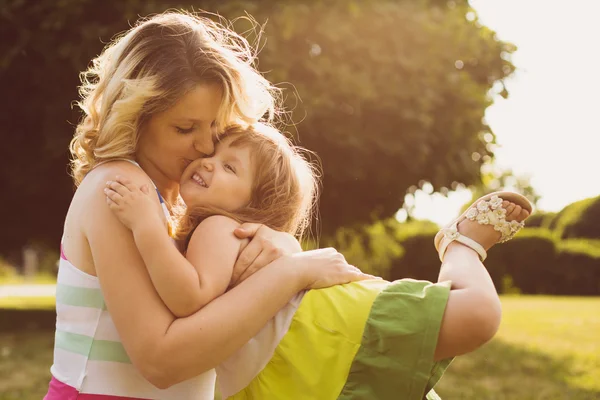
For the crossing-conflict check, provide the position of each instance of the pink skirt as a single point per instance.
(61, 391)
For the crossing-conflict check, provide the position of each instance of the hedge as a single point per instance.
(578, 220)
(18, 320)
(535, 262)
(541, 219)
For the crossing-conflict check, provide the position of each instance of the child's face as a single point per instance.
(223, 180)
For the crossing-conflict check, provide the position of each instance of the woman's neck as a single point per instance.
(169, 191)
(168, 188)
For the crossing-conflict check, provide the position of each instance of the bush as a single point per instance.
(371, 248)
(578, 263)
(534, 262)
(528, 259)
(13, 320)
(419, 259)
(578, 220)
(541, 219)
(6, 270)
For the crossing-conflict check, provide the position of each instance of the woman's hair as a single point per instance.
(284, 184)
(149, 68)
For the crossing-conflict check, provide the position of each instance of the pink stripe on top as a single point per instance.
(62, 253)
(61, 391)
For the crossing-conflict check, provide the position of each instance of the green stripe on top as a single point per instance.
(396, 355)
(79, 296)
(94, 350)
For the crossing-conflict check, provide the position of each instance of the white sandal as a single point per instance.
(487, 210)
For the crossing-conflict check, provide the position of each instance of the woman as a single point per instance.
(152, 102)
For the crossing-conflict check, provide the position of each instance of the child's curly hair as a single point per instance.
(284, 186)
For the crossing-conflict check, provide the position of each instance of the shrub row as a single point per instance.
(535, 262)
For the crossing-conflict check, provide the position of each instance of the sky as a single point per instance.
(548, 128)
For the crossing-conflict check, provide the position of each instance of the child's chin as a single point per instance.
(185, 191)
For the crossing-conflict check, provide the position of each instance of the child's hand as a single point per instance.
(133, 205)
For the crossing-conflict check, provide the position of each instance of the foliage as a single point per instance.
(494, 179)
(7, 271)
(371, 248)
(530, 259)
(400, 93)
(540, 219)
(534, 262)
(393, 93)
(578, 220)
(579, 263)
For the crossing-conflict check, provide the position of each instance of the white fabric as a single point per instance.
(235, 373)
(106, 377)
(454, 235)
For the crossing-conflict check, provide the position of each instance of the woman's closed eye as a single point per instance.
(185, 130)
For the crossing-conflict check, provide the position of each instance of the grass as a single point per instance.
(25, 361)
(28, 303)
(547, 349)
(16, 279)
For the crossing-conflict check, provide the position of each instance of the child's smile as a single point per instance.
(223, 180)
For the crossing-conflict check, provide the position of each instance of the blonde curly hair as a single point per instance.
(148, 68)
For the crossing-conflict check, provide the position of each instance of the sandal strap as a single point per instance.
(452, 234)
(488, 212)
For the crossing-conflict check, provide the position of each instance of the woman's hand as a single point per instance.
(266, 245)
(323, 268)
(130, 203)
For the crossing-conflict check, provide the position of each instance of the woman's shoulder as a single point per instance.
(109, 171)
(90, 193)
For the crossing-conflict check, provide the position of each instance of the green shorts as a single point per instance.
(364, 340)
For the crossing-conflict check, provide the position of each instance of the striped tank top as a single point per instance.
(89, 358)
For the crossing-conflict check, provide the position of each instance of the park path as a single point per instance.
(27, 290)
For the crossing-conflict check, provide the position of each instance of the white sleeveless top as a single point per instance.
(88, 353)
(235, 373)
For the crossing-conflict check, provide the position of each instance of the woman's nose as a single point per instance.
(203, 142)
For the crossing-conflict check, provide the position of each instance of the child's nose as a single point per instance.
(208, 164)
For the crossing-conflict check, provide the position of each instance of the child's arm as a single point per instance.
(184, 286)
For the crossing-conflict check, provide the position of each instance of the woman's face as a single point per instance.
(172, 139)
(223, 180)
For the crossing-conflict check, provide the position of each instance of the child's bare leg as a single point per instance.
(473, 307)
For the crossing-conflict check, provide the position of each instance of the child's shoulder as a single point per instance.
(216, 225)
(216, 229)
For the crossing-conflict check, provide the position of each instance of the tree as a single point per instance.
(393, 92)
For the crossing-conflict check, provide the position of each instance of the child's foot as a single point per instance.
(492, 219)
(486, 235)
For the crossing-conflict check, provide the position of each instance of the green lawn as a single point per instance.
(547, 348)
(28, 303)
(16, 279)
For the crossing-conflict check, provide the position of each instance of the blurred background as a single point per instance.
(414, 107)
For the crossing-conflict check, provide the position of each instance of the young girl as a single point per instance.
(365, 340)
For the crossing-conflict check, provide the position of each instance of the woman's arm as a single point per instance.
(184, 286)
(167, 350)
